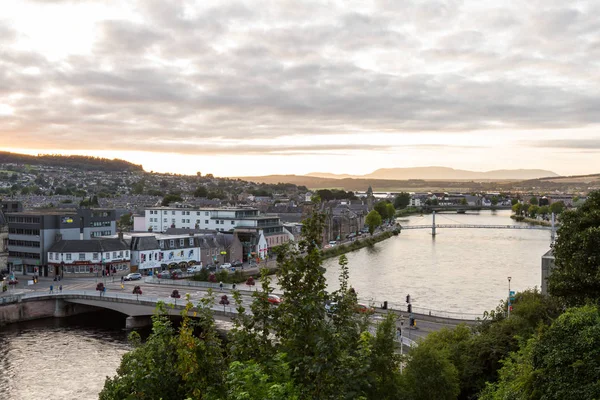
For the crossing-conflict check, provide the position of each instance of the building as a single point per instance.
(32, 233)
(547, 267)
(153, 252)
(76, 257)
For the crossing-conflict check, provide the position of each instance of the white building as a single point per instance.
(89, 256)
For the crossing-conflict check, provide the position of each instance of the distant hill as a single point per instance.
(444, 173)
(78, 162)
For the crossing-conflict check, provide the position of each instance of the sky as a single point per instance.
(242, 88)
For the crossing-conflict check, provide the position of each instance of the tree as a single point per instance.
(430, 375)
(494, 200)
(402, 200)
(373, 220)
(201, 191)
(576, 279)
(557, 207)
(533, 211)
(533, 201)
(126, 222)
(464, 202)
(561, 363)
(390, 211)
(544, 211)
(514, 201)
(517, 209)
(170, 198)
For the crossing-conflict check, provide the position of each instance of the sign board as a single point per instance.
(223, 253)
(29, 282)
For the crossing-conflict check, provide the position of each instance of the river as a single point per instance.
(460, 270)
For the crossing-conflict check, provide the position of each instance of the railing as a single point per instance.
(421, 311)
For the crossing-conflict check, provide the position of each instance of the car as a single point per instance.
(165, 275)
(225, 266)
(364, 309)
(274, 299)
(332, 243)
(177, 272)
(194, 269)
(132, 277)
(211, 267)
(330, 306)
(236, 264)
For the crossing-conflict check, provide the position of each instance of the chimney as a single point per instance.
(120, 235)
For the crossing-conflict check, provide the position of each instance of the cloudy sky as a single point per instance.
(263, 87)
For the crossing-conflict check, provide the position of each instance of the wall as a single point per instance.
(29, 310)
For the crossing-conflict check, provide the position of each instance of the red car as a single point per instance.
(274, 299)
(363, 309)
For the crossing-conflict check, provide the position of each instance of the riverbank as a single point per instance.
(408, 211)
(358, 244)
(520, 218)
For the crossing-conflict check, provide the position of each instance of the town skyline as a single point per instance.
(248, 89)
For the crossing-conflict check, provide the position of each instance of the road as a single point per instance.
(425, 324)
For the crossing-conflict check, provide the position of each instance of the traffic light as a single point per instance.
(409, 308)
(408, 298)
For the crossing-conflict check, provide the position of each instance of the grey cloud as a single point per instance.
(580, 144)
(237, 71)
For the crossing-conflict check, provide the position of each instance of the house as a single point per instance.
(76, 257)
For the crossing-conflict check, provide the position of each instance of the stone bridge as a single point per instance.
(138, 309)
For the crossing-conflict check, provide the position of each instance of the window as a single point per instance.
(206, 221)
(68, 257)
(114, 254)
(127, 253)
(121, 254)
(191, 241)
(95, 256)
(197, 212)
(161, 244)
(173, 212)
(182, 242)
(171, 243)
(206, 213)
(49, 256)
(81, 256)
(165, 220)
(232, 222)
(198, 221)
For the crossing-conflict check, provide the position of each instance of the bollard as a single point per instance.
(385, 305)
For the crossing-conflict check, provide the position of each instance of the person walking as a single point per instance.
(221, 286)
(234, 286)
(60, 288)
(51, 289)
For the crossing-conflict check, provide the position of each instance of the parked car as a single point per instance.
(177, 272)
(194, 269)
(236, 264)
(274, 299)
(225, 266)
(211, 267)
(364, 309)
(330, 306)
(164, 275)
(332, 243)
(133, 277)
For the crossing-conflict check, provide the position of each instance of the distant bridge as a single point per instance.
(462, 226)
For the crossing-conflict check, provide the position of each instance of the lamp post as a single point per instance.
(508, 307)
(401, 342)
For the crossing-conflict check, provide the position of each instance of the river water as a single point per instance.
(460, 270)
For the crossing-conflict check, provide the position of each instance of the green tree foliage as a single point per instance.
(557, 207)
(576, 278)
(402, 200)
(494, 200)
(533, 211)
(430, 375)
(126, 221)
(335, 194)
(544, 211)
(138, 187)
(373, 220)
(382, 208)
(201, 191)
(79, 162)
(464, 202)
(390, 211)
(560, 363)
(170, 198)
(533, 201)
(517, 208)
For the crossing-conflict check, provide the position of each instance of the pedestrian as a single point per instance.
(60, 288)
(122, 279)
(221, 286)
(51, 289)
(234, 286)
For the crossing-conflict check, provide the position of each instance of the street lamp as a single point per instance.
(508, 307)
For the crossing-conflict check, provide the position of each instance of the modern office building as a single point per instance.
(32, 233)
